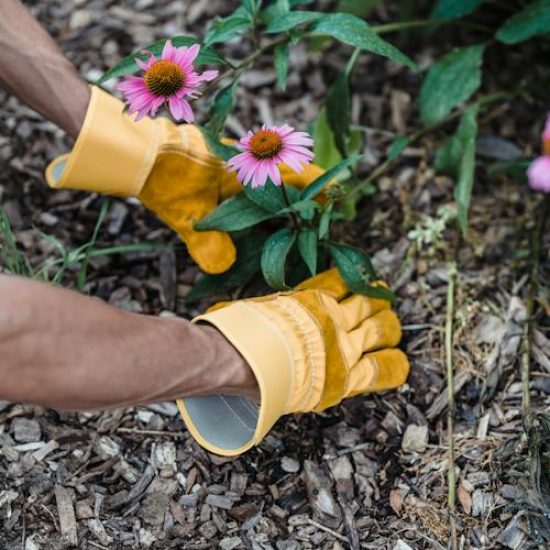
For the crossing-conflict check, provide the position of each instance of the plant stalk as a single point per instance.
(451, 479)
(292, 215)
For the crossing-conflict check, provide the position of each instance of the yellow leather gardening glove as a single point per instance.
(168, 167)
(308, 349)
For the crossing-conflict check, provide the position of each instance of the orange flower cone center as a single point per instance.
(266, 144)
(546, 146)
(164, 78)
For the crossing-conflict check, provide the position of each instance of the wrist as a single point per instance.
(204, 362)
(232, 375)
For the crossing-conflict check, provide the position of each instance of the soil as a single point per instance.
(372, 472)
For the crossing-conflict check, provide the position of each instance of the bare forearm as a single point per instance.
(65, 350)
(34, 69)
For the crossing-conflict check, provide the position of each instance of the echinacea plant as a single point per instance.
(285, 255)
(285, 232)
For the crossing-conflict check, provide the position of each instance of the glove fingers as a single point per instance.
(213, 251)
(357, 308)
(382, 330)
(329, 281)
(378, 371)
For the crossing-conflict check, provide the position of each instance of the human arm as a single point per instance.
(34, 70)
(64, 350)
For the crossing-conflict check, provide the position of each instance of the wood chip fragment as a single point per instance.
(415, 439)
(65, 511)
(319, 490)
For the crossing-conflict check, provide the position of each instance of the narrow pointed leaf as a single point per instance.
(227, 28)
(274, 255)
(282, 52)
(531, 21)
(356, 32)
(357, 271)
(307, 246)
(326, 152)
(338, 108)
(324, 222)
(467, 133)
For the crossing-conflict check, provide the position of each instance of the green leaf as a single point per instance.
(221, 109)
(453, 9)
(250, 6)
(354, 31)
(357, 271)
(307, 246)
(227, 28)
(273, 11)
(282, 52)
(450, 82)
(397, 147)
(338, 109)
(324, 221)
(249, 249)
(467, 133)
(128, 65)
(234, 214)
(270, 197)
(291, 20)
(457, 159)
(533, 20)
(274, 256)
(225, 152)
(324, 148)
(317, 185)
(447, 159)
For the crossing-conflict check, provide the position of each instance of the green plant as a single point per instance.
(295, 235)
(302, 246)
(54, 269)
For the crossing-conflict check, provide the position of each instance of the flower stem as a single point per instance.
(292, 215)
(451, 478)
(246, 62)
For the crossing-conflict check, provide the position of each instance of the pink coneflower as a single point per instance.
(539, 174)
(172, 79)
(539, 170)
(264, 150)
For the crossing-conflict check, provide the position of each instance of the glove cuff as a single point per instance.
(230, 425)
(113, 154)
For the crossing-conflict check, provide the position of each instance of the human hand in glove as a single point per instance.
(308, 349)
(168, 167)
